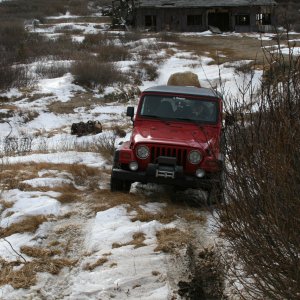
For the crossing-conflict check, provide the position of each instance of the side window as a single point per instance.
(150, 21)
(242, 20)
(194, 20)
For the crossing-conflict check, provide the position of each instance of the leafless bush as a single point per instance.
(260, 218)
(17, 145)
(106, 145)
(94, 40)
(123, 93)
(38, 46)
(130, 36)
(147, 71)
(113, 53)
(93, 73)
(53, 70)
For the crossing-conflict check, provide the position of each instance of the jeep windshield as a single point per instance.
(180, 108)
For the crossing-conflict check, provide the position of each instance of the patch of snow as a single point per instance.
(17, 240)
(13, 92)
(29, 204)
(153, 207)
(66, 16)
(61, 87)
(67, 157)
(131, 275)
(47, 182)
(78, 38)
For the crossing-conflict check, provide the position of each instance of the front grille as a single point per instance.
(179, 153)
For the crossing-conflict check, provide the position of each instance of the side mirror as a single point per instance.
(130, 112)
(229, 120)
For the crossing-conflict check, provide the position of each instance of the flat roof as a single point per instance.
(183, 90)
(203, 3)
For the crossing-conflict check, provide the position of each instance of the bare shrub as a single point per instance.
(260, 219)
(53, 70)
(113, 53)
(130, 36)
(106, 145)
(147, 71)
(17, 145)
(91, 41)
(123, 93)
(93, 73)
(12, 39)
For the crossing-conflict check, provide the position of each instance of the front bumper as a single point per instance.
(165, 175)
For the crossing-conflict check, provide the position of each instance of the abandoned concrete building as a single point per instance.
(198, 15)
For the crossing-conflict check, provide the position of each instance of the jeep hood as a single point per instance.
(190, 135)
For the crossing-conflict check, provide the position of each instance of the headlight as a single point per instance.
(142, 152)
(194, 157)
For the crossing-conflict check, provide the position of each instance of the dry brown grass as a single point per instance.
(29, 224)
(39, 252)
(155, 273)
(90, 267)
(85, 100)
(25, 276)
(232, 47)
(137, 241)
(6, 204)
(12, 176)
(104, 199)
(171, 239)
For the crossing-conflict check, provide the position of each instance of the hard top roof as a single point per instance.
(203, 3)
(183, 90)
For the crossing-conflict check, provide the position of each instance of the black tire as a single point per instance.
(216, 193)
(118, 185)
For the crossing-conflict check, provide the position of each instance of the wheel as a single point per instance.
(119, 185)
(216, 193)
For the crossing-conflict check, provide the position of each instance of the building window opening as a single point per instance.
(194, 20)
(263, 19)
(150, 22)
(242, 20)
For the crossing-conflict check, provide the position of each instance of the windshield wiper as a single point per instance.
(150, 116)
(185, 119)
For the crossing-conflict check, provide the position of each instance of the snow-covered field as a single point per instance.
(104, 245)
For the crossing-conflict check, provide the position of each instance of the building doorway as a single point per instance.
(220, 20)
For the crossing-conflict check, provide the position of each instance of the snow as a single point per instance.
(67, 157)
(67, 15)
(17, 240)
(12, 93)
(61, 87)
(29, 204)
(134, 267)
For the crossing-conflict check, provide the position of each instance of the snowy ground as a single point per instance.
(107, 245)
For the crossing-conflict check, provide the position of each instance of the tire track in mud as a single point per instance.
(192, 272)
(198, 266)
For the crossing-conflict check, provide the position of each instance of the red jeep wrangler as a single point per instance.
(175, 140)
